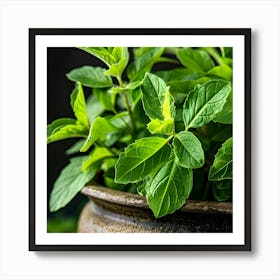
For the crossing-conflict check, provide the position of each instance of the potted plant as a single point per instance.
(155, 145)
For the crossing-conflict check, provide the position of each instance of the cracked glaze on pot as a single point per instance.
(116, 211)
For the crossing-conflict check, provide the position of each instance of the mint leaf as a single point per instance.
(97, 154)
(177, 74)
(146, 183)
(128, 87)
(196, 60)
(222, 190)
(158, 104)
(204, 102)
(98, 131)
(188, 150)
(135, 95)
(141, 158)
(120, 120)
(222, 166)
(57, 124)
(75, 148)
(186, 86)
(138, 52)
(122, 57)
(225, 116)
(94, 108)
(116, 58)
(157, 101)
(106, 99)
(90, 76)
(70, 181)
(158, 126)
(65, 128)
(221, 71)
(143, 63)
(169, 189)
(68, 128)
(78, 104)
(103, 54)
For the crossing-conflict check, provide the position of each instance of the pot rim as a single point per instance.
(136, 200)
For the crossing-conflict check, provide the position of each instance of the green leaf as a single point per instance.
(135, 96)
(143, 63)
(115, 58)
(122, 56)
(158, 104)
(222, 49)
(98, 131)
(113, 137)
(177, 74)
(138, 52)
(221, 71)
(186, 86)
(68, 128)
(157, 101)
(171, 50)
(197, 60)
(102, 53)
(204, 102)
(106, 99)
(179, 123)
(222, 166)
(188, 150)
(97, 154)
(65, 128)
(141, 187)
(158, 126)
(120, 120)
(225, 116)
(227, 52)
(75, 148)
(94, 108)
(126, 88)
(108, 164)
(222, 190)
(90, 76)
(109, 181)
(169, 189)
(78, 104)
(57, 124)
(167, 60)
(70, 181)
(141, 158)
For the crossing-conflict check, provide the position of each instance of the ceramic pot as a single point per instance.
(116, 211)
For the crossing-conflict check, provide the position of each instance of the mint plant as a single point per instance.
(165, 134)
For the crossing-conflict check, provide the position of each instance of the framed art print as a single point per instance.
(140, 139)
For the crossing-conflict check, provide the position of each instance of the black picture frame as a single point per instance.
(246, 32)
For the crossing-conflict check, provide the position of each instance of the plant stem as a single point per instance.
(127, 104)
(120, 81)
(129, 111)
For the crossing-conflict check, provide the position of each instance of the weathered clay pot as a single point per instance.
(115, 211)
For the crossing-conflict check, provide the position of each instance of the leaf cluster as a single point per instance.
(166, 134)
